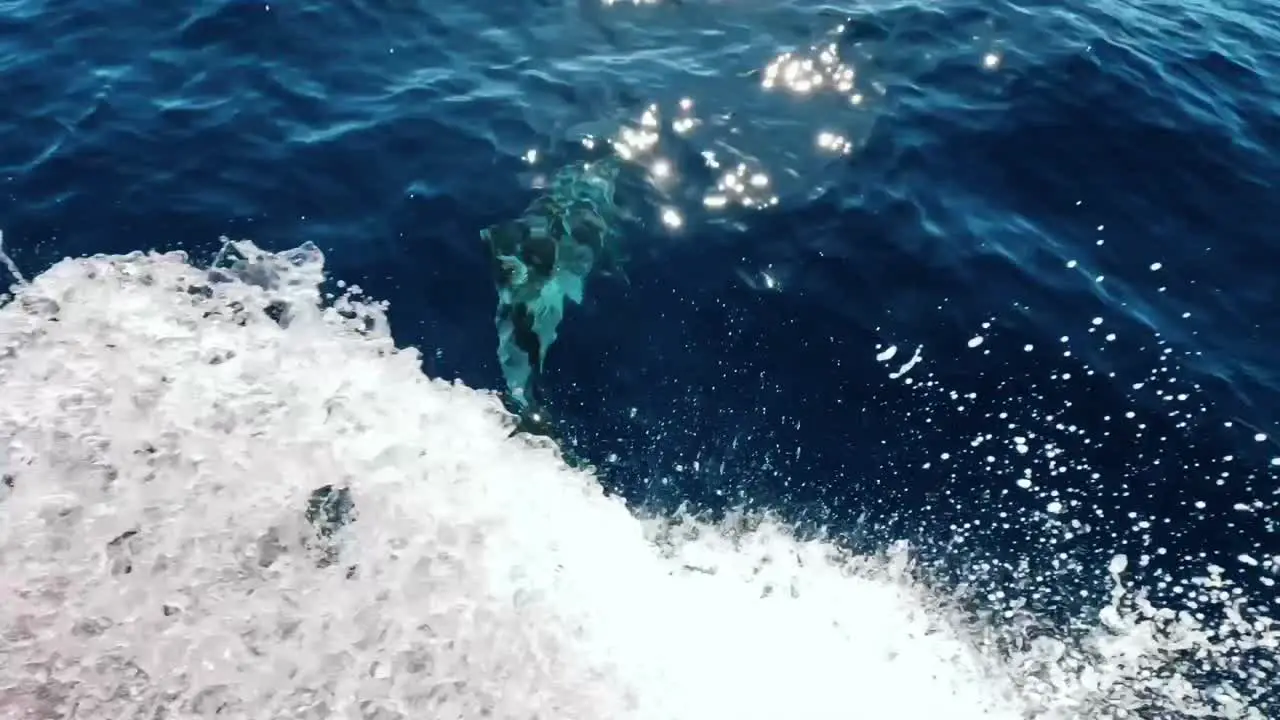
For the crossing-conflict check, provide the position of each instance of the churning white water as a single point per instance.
(163, 427)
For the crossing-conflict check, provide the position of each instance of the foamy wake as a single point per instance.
(163, 431)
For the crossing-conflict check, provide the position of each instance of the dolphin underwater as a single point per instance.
(543, 258)
(539, 260)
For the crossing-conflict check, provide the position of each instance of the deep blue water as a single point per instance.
(1113, 134)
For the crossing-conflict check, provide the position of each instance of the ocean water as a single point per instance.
(940, 380)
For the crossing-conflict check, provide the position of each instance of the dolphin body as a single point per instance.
(542, 259)
(539, 260)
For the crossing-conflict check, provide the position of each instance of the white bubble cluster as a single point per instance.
(164, 427)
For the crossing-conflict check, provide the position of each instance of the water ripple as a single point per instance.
(1049, 216)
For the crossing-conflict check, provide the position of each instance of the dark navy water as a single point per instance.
(1015, 171)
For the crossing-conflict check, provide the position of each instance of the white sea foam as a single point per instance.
(162, 433)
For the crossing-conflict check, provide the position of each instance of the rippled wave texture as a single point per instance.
(993, 278)
(397, 129)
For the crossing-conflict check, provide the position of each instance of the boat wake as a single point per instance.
(165, 428)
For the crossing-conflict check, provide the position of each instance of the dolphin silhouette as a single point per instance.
(543, 258)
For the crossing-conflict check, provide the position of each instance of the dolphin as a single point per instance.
(543, 258)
